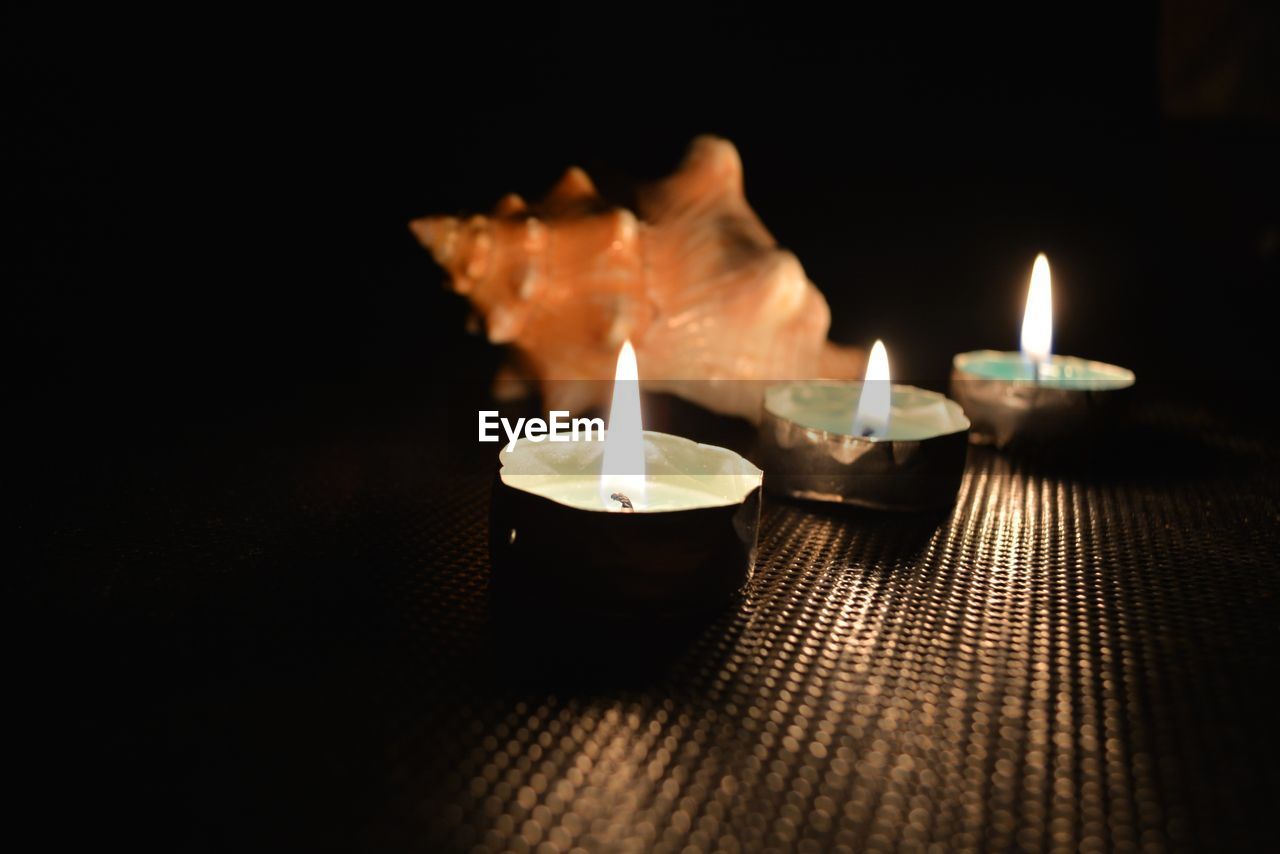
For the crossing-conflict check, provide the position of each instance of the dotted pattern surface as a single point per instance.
(1059, 664)
(1056, 666)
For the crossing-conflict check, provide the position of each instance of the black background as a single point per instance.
(212, 207)
(210, 230)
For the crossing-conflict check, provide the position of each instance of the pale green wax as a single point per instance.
(659, 495)
(915, 414)
(1060, 372)
(679, 474)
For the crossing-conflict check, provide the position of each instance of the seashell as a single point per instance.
(714, 308)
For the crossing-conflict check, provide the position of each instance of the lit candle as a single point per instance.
(1037, 317)
(643, 522)
(1034, 394)
(872, 443)
(622, 471)
(871, 418)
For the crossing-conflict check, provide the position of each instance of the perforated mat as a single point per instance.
(304, 656)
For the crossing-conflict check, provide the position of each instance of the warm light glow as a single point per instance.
(872, 417)
(623, 470)
(1037, 320)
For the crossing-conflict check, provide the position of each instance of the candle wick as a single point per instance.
(623, 500)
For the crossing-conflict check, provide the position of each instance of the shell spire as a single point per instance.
(574, 188)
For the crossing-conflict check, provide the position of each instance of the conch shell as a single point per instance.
(713, 306)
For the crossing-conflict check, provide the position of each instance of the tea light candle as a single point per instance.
(1034, 395)
(650, 524)
(872, 444)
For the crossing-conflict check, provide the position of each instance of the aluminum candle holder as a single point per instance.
(1034, 397)
(1012, 401)
(807, 447)
(553, 541)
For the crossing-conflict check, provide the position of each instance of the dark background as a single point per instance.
(210, 239)
(212, 208)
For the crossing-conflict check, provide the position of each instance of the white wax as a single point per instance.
(679, 474)
(915, 414)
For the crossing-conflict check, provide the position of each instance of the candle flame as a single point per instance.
(622, 473)
(1037, 320)
(872, 417)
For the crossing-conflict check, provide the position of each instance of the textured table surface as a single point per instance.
(289, 644)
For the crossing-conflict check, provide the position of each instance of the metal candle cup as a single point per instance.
(1034, 397)
(690, 547)
(1011, 400)
(808, 448)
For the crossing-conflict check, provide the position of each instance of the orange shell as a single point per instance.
(696, 282)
